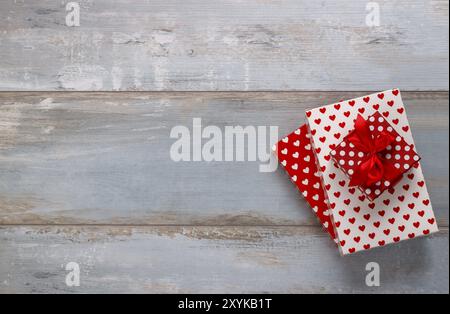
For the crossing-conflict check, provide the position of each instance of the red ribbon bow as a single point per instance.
(374, 167)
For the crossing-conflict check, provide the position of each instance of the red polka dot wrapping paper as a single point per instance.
(402, 212)
(400, 155)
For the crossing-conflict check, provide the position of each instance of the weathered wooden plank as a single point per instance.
(104, 158)
(211, 260)
(224, 45)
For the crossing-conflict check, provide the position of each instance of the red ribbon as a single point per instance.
(374, 167)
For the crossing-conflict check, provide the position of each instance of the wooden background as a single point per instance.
(85, 118)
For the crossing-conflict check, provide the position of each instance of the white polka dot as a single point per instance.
(389, 147)
(351, 154)
(380, 128)
(371, 128)
(351, 145)
(387, 183)
(343, 144)
(397, 157)
(368, 191)
(377, 192)
(342, 162)
(407, 148)
(406, 166)
(360, 154)
(416, 158)
(342, 153)
(378, 183)
(397, 165)
(372, 119)
(351, 163)
(351, 172)
(388, 156)
(333, 152)
(398, 139)
(407, 157)
(398, 147)
(380, 119)
(390, 129)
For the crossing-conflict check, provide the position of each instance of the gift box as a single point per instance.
(295, 154)
(404, 210)
(374, 156)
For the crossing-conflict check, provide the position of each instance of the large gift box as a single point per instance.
(374, 191)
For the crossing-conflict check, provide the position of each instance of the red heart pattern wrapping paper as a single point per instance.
(402, 212)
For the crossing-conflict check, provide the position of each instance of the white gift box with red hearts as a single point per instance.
(405, 212)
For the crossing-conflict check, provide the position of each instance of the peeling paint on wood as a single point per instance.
(223, 45)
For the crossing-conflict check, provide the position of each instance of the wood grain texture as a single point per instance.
(211, 260)
(104, 158)
(203, 45)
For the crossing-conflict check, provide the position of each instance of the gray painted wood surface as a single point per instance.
(211, 260)
(223, 45)
(87, 178)
(105, 158)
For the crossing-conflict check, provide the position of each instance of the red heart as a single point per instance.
(395, 92)
(357, 239)
(431, 221)
(352, 220)
(386, 114)
(381, 213)
(323, 110)
(322, 139)
(400, 110)
(352, 103)
(376, 107)
(391, 103)
(401, 228)
(333, 205)
(347, 202)
(357, 209)
(406, 187)
(361, 110)
(392, 221)
(372, 235)
(332, 118)
(337, 106)
(411, 235)
(426, 232)
(396, 121)
(401, 198)
(327, 157)
(411, 176)
(328, 187)
(387, 202)
(416, 224)
(332, 176)
(313, 132)
(372, 205)
(352, 191)
(406, 217)
(377, 224)
(416, 194)
(342, 183)
(327, 128)
(362, 228)
(397, 209)
(411, 206)
(421, 183)
(342, 213)
(318, 150)
(367, 247)
(381, 96)
(387, 232)
(308, 114)
(347, 231)
(337, 135)
(343, 243)
(405, 128)
(367, 216)
(347, 114)
(366, 99)
(381, 243)
(342, 125)
(362, 198)
(352, 250)
(396, 239)
(318, 121)
(421, 213)
(337, 194)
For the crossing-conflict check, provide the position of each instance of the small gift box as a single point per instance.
(374, 156)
